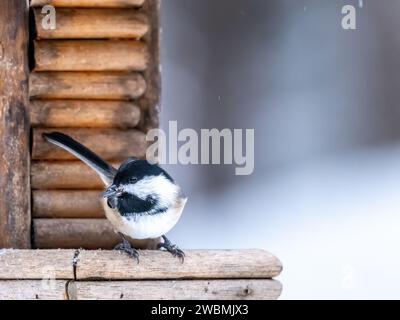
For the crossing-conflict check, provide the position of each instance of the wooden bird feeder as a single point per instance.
(95, 77)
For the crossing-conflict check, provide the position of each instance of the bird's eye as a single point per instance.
(133, 180)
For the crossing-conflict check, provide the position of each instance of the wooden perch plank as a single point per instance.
(177, 290)
(199, 264)
(64, 175)
(36, 264)
(74, 233)
(84, 113)
(248, 289)
(33, 290)
(14, 126)
(89, 3)
(94, 24)
(110, 144)
(91, 55)
(154, 264)
(86, 85)
(67, 204)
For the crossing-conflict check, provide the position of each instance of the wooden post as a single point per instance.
(14, 126)
(150, 101)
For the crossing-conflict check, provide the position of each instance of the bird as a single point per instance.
(141, 200)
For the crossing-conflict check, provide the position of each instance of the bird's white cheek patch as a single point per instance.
(164, 190)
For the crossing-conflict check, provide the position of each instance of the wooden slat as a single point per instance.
(67, 204)
(90, 55)
(33, 290)
(14, 126)
(86, 85)
(89, 3)
(177, 290)
(64, 175)
(110, 144)
(94, 24)
(36, 264)
(74, 233)
(154, 265)
(199, 264)
(248, 289)
(84, 113)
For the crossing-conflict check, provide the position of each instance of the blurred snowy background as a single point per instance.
(325, 194)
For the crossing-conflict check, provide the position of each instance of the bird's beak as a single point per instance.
(113, 191)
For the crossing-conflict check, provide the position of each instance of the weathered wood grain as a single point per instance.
(67, 204)
(84, 114)
(74, 233)
(249, 289)
(110, 144)
(89, 3)
(246, 289)
(94, 24)
(36, 264)
(154, 265)
(86, 85)
(80, 233)
(14, 126)
(199, 264)
(33, 290)
(64, 175)
(150, 101)
(90, 55)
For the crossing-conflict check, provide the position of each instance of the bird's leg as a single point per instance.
(127, 248)
(172, 248)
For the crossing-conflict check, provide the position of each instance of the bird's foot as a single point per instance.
(172, 248)
(127, 248)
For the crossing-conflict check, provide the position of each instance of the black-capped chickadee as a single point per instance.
(141, 200)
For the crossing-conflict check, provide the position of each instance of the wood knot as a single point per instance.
(246, 292)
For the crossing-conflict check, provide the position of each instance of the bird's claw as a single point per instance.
(126, 247)
(177, 253)
(173, 249)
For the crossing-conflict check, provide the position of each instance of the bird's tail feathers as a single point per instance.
(103, 169)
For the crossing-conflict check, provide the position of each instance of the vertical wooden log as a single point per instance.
(150, 102)
(14, 126)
